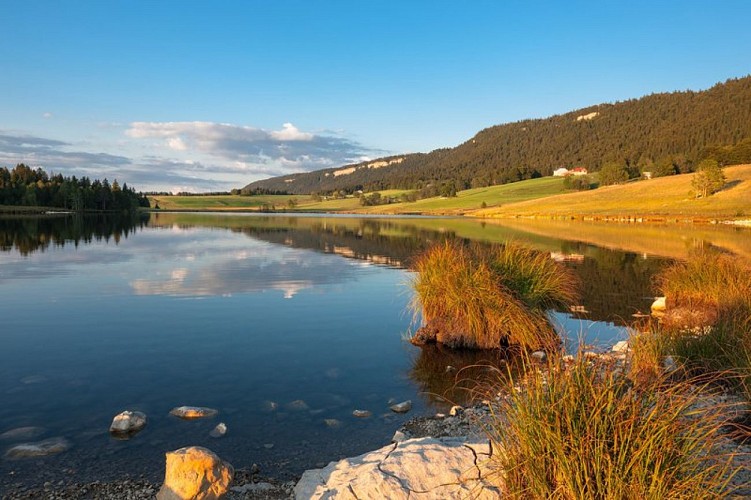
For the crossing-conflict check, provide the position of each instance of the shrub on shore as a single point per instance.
(707, 327)
(488, 297)
(585, 431)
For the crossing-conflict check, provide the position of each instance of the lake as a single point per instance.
(283, 323)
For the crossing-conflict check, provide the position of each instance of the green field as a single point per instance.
(472, 199)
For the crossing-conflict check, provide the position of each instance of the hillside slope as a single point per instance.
(677, 127)
(666, 197)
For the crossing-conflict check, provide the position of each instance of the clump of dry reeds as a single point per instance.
(584, 431)
(489, 296)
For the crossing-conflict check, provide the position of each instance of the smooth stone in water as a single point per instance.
(402, 407)
(269, 406)
(297, 405)
(196, 473)
(362, 413)
(332, 422)
(190, 412)
(127, 424)
(38, 449)
(219, 431)
(21, 433)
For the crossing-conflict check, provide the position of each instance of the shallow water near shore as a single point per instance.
(284, 324)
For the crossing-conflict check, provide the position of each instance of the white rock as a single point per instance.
(620, 346)
(658, 304)
(195, 473)
(402, 407)
(539, 355)
(439, 468)
(219, 431)
(191, 412)
(399, 436)
(38, 449)
(362, 413)
(127, 424)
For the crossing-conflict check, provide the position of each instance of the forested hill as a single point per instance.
(675, 129)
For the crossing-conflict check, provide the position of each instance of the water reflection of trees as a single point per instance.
(28, 234)
(458, 376)
(615, 284)
(370, 240)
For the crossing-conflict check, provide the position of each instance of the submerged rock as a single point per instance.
(297, 405)
(191, 412)
(269, 406)
(21, 433)
(402, 407)
(195, 472)
(362, 413)
(127, 424)
(38, 449)
(332, 422)
(219, 431)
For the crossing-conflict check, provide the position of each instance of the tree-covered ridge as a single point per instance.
(24, 186)
(667, 132)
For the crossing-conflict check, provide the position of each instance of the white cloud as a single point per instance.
(177, 144)
(47, 115)
(252, 146)
(291, 133)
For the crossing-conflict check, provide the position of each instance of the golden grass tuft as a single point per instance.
(584, 431)
(485, 297)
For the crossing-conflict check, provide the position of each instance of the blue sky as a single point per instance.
(197, 95)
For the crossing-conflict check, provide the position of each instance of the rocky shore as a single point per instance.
(248, 483)
(465, 424)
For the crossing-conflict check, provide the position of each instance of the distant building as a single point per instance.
(579, 171)
(564, 172)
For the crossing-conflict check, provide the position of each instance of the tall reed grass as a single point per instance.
(585, 432)
(722, 347)
(486, 297)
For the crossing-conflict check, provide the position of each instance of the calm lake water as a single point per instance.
(251, 314)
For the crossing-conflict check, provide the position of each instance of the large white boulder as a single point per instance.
(195, 473)
(425, 468)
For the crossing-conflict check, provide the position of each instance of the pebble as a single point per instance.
(219, 431)
(362, 413)
(402, 407)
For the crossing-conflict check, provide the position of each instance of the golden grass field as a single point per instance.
(662, 198)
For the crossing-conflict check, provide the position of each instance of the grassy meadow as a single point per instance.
(663, 198)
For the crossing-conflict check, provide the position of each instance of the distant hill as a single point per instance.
(676, 128)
